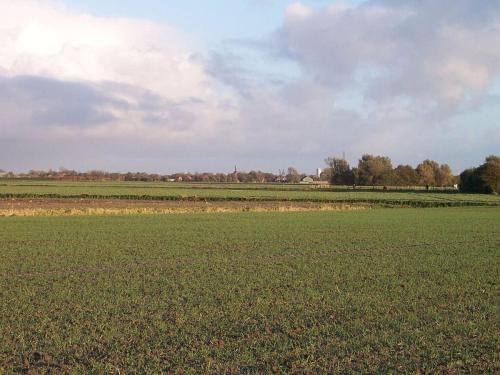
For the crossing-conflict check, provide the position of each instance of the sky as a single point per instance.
(168, 86)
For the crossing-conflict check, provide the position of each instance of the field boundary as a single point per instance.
(367, 201)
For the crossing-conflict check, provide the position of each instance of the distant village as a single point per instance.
(289, 176)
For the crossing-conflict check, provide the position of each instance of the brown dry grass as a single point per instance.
(49, 207)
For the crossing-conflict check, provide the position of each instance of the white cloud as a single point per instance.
(297, 12)
(145, 77)
(437, 51)
(43, 38)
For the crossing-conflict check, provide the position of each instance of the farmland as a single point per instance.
(237, 192)
(376, 290)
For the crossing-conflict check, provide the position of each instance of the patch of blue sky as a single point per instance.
(495, 87)
(210, 22)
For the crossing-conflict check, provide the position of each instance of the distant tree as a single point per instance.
(444, 176)
(427, 172)
(470, 181)
(220, 177)
(281, 176)
(355, 174)
(483, 179)
(490, 173)
(243, 177)
(256, 176)
(293, 176)
(269, 177)
(405, 175)
(432, 174)
(326, 174)
(340, 171)
(374, 170)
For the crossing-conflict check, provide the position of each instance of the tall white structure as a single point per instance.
(318, 172)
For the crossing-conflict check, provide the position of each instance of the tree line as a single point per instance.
(98, 175)
(378, 171)
(290, 175)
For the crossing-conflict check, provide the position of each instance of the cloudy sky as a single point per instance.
(195, 85)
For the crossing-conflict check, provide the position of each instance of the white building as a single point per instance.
(307, 180)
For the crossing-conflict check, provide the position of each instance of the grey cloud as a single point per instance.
(48, 102)
(227, 68)
(437, 50)
(34, 103)
(295, 124)
(45, 123)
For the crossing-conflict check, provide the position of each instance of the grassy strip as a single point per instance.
(194, 198)
(86, 211)
(243, 186)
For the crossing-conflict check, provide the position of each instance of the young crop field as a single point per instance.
(372, 291)
(235, 192)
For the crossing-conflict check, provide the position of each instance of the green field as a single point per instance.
(236, 192)
(380, 290)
